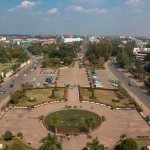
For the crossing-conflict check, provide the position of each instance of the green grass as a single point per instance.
(41, 96)
(72, 121)
(105, 97)
(16, 144)
(142, 142)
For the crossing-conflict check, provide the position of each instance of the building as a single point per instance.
(141, 53)
(70, 40)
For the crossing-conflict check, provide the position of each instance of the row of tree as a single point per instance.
(98, 53)
(56, 54)
(52, 142)
(12, 54)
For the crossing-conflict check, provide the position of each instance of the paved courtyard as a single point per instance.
(117, 121)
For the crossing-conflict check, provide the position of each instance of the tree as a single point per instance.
(8, 136)
(50, 142)
(147, 58)
(101, 62)
(127, 144)
(15, 67)
(95, 145)
(90, 122)
(56, 89)
(20, 135)
(24, 86)
(1, 78)
(56, 121)
(53, 94)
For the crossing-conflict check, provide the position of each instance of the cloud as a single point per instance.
(137, 10)
(87, 1)
(88, 11)
(52, 11)
(134, 2)
(24, 5)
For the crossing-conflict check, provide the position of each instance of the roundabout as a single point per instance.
(72, 121)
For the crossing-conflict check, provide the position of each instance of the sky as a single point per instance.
(86, 17)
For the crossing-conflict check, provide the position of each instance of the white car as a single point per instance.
(114, 84)
(31, 69)
(98, 85)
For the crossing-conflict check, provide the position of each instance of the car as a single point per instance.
(98, 85)
(31, 69)
(31, 84)
(93, 72)
(2, 91)
(11, 85)
(38, 84)
(114, 84)
(46, 84)
(111, 80)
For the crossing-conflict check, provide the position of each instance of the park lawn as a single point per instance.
(16, 144)
(105, 97)
(41, 96)
(5, 67)
(142, 142)
(72, 121)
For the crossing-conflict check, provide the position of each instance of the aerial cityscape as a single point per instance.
(74, 75)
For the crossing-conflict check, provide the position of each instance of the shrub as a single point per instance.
(20, 135)
(115, 100)
(8, 136)
(32, 100)
(147, 118)
(127, 144)
(124, 135)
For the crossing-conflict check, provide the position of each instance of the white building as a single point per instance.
(141, 53)
(70, 40)
(94, 39)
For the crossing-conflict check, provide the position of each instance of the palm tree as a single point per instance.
(56, 121)
(95, 145)
(90, 123)
(50, 142)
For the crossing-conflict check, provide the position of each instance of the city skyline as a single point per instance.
(99, 17)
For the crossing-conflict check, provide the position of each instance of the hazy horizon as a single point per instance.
(79, 17)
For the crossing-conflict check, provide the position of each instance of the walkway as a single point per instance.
(117, 121)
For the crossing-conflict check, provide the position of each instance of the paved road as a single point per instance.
(137, 91)
(24, 75)
(84, 46)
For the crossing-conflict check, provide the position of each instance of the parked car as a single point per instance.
(114, 84)
(31, 84)
(11, 85)
(111, 80)
(46, 84)
(2, 91)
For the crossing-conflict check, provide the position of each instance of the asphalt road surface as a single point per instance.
(137, 91)
(26, 74)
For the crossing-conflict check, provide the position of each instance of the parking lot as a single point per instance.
(104, 76)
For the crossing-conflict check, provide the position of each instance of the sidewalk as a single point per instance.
(146, 111)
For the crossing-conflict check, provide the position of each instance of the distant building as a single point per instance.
(141, 53)
(94, 39)
(70, 40)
